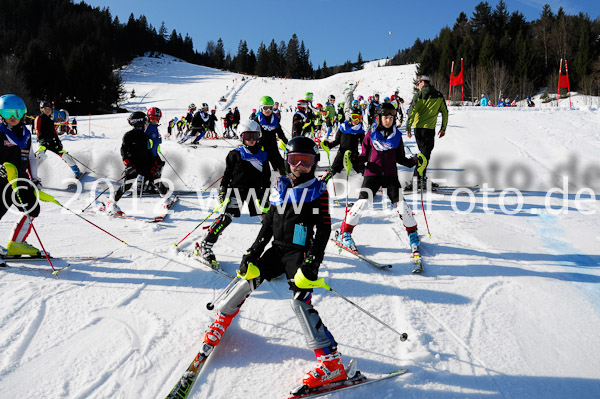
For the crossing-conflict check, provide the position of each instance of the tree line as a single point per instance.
(504, 55)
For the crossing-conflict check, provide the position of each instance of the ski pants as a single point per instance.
(56, 147)
(131, 175)
(338, 162)
(274, 262)
(425, 141)
(29, 205)
(370, 186)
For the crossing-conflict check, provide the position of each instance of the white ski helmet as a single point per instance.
(248, 126)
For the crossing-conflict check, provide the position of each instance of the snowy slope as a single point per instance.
(508, 307)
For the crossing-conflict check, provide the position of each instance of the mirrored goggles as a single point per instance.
(17, 113)
(298, 158)
(251, 136)
(356, 117)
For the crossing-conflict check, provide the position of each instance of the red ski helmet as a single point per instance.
(154, 114)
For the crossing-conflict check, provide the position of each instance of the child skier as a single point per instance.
(48, 138)
(154, 114)
(246, 179)
(138, 160)
(297, 250)
(302, 123)
(348, 136)
(382, 148)
(15, 149)
(271, 130)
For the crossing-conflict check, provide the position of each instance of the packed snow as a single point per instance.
(508, 305)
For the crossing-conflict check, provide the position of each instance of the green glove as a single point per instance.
(252, 272)
(305, 284)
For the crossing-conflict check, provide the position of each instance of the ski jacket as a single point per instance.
(15, 148)
(136, 148)
(301, 124)
(246, 168)
(44, 128)
(295, 221)
(236, 117)
(426, 105)
(229, 119)
(383, 153)
(348, 137)
(270, 129)
(155, 139)
(199, 121)
(212, 120)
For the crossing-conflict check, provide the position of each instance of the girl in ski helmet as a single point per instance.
(302, 121)
(382, 149)
(299, 224)
(154, 114)
(246, 180)
(17, 164)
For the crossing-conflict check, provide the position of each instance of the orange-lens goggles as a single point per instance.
(297, 158)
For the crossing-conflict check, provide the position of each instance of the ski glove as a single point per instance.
(304, 283)
(222, 195)
(249, 257)
(3, 174)
(310, 267)
(127, 162)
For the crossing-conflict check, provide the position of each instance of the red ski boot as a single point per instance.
(217, 329)
(330, 369)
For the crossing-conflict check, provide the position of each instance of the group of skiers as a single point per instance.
(294, 213)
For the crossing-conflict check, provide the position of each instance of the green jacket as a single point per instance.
(330, 112)
(426, 105)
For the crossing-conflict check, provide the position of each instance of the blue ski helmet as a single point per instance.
(12, 105)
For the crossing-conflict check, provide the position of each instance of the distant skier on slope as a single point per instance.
(48, 138)
(246, 179)
(299, 241)
(138, 160)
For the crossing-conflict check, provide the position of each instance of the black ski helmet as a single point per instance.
(381, 108)
(303, 145)
(138, 119)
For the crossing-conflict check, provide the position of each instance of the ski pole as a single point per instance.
(348, 167)
(12, 175)
(306, 284)
(77, 160)
(212, 184)
(421, 171)
(326, 149)
(42, 196)
(211, 305)
(222, 205)
(98, 196)
(176, 174)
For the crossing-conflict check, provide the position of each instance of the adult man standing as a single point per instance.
(426, 105)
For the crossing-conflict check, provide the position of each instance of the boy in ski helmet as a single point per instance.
(48, 138)
(271, 130)
(298, 246)
(348, 136)
(382, 149)
(138, 160)
(16, 156)
(330, 116)
(246, 180)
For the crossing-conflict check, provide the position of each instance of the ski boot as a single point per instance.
(113, 209)
(205, 253)
(413, 236)
(76, 171)
(216, 330)
(330, 369)
(346, 240)
(17, 249)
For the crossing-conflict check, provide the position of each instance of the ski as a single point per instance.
(21, 264)
(41, 258)
(186, 383)
(361, 256)
(452, 189)
(358, 380)
(160, 218)
(212, 266)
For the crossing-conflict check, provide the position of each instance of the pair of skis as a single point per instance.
(187, 381)
(157, 219)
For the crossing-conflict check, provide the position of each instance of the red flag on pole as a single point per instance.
(456, 80)
(563, 81)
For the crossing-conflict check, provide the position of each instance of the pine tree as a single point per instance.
(292, 58)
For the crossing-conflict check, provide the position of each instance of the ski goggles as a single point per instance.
(299, 158)
(8, 113)
(356, 117)
(251, 136)
(389, 113)
(267, 108)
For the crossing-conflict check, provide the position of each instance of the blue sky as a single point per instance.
(334, 31)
